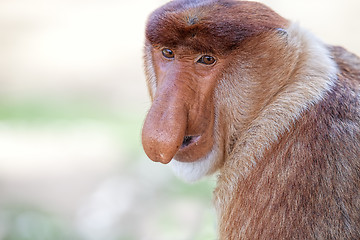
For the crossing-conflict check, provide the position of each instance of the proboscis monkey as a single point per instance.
(239, 90)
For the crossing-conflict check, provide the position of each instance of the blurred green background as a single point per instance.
(72, 102)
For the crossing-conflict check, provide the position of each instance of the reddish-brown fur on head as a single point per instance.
(210, 26)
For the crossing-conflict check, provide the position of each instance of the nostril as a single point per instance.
(187, 140)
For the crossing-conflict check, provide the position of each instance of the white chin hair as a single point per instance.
(193, 171)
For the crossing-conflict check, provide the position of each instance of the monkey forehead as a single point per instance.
(216, 26)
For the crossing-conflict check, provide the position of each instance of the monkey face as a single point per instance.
(180, 123)
(198, 61)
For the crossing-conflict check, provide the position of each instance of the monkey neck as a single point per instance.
(313, 75)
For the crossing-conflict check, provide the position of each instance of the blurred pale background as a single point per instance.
(72, 101)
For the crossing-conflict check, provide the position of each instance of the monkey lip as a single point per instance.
(189, 140)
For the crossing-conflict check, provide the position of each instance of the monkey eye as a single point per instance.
(207, 60)
(168, 53)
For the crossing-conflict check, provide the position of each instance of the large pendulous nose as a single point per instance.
(164, 128)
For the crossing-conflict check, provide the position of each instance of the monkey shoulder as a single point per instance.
(337, 114)
(347, 62)
(317, 163)
(328, 133)
(333, 124)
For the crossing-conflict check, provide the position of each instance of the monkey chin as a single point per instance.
(193, 171)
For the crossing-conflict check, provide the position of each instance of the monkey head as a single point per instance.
(193, 49)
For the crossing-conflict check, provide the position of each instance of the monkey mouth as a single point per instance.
(188, 140)
(193, 148)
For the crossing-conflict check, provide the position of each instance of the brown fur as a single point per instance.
(278, 115)
(306, 186)
(177, 23)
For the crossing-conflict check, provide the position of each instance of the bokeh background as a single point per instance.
(72, 102)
